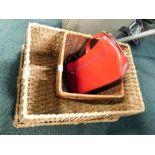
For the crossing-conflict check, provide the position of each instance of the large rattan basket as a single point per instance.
(37, 103)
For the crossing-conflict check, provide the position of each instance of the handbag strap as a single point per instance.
(73, 57)
(99, 36)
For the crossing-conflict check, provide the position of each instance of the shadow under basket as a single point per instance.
(37, 103)
(73, 43)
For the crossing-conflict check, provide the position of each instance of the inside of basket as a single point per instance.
(42, 98)
(76, 43)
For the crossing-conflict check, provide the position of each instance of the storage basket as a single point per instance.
(72, 43)
(37, 104)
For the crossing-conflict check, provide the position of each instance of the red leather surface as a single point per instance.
(101, 65)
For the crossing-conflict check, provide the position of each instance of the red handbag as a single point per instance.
(99, 66)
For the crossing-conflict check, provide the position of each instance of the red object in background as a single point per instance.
(99, 66)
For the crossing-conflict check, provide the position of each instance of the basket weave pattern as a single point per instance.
(37, 103)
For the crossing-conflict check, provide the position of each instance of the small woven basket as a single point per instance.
(72, 43)
(37, 103)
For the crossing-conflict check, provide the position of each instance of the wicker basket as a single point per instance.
(37, 103)
(72, 43)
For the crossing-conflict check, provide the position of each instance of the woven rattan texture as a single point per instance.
(45, 44)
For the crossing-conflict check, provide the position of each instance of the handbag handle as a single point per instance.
(99, 36)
